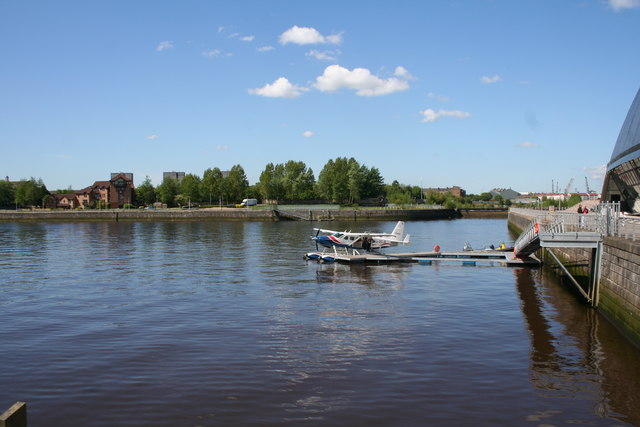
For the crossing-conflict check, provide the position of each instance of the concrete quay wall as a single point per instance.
(376, 214)
(139, 215)
(227, 214)
(619, 281)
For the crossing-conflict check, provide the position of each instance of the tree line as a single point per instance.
(342, 180)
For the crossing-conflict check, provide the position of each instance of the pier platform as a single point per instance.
(466, 258)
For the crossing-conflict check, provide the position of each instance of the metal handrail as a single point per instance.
(605, 218)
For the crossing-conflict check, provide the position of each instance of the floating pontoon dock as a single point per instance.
(467, 258)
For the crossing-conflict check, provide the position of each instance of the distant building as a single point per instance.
(178, 176)
(506, 194)
(622, 181)
(115, 193)
(120, 190)
(15, 183)
(64, 201)
(455, 190)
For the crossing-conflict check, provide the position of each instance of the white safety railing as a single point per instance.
(606, 218)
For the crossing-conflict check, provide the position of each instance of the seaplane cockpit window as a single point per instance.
(338, 235)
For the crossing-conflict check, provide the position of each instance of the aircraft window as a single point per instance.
(338, 235)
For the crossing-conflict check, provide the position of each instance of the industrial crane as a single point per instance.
(566, 189)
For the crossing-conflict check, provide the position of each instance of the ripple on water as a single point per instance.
(207, 323)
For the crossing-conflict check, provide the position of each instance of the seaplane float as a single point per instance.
(350, 243)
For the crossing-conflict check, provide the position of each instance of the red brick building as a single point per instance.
(120, 190)
(115, 193)
(455, 190)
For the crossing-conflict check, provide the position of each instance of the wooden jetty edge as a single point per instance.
(506, 258)
(16, 416)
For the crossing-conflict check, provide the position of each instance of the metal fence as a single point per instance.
(606, 218)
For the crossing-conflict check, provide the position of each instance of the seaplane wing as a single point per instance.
(364, 240)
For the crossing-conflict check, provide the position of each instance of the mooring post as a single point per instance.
(595, 272)
(16, 416)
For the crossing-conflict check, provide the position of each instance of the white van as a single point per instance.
(249, 202)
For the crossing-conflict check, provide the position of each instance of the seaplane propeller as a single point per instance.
(316, 239)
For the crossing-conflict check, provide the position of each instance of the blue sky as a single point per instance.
(478, 93)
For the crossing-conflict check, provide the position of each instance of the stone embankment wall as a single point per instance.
(483, 213)
(374, 214)
(140, 215)
(224, 214)
(619, 281)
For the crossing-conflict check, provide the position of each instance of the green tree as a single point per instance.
(574, 200)
(168, 190)
(236, 183)
(191, 188)
(213, 185)
(7, 194)
(373, 185)
(145, 193)
(67, 190)
(291, 181)
(399, 194)
(271, 182)
(333, 181)
(357, 176)
(298, 181)
(31, 192)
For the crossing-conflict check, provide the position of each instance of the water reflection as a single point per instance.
(383, 276)
(574, 352)
(207, 323)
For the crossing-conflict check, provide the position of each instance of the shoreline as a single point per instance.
(248, 214)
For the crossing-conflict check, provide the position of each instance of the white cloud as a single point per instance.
(220, 29)
(596, 172)
(307, 35)
(440, 98)
(222, 147)
(152, 137)
(281, 88)
(265, 48)
(336, 77)
(430, 115)
(164, 45)
(402, 73)
(233, 35)
(247, 38)
(324, 55)
(489, 80)
(307, 134)
(527, 144)
(210, 53)
(619, 5)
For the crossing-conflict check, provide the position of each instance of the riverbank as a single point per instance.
(248, 214)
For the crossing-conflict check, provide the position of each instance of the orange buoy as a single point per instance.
(436, 248)
(536, 228)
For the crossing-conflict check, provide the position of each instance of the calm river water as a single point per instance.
(219, 323)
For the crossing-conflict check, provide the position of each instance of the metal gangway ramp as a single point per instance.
(554, 235)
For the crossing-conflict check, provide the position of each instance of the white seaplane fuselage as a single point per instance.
(347, 240)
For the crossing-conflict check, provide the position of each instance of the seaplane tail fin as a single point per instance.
(398, 231)
(407, 239)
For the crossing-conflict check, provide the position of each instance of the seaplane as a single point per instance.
(350, 243)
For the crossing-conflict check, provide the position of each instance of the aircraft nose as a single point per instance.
(323, 240)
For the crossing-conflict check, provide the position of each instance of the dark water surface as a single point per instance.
(207, 323)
